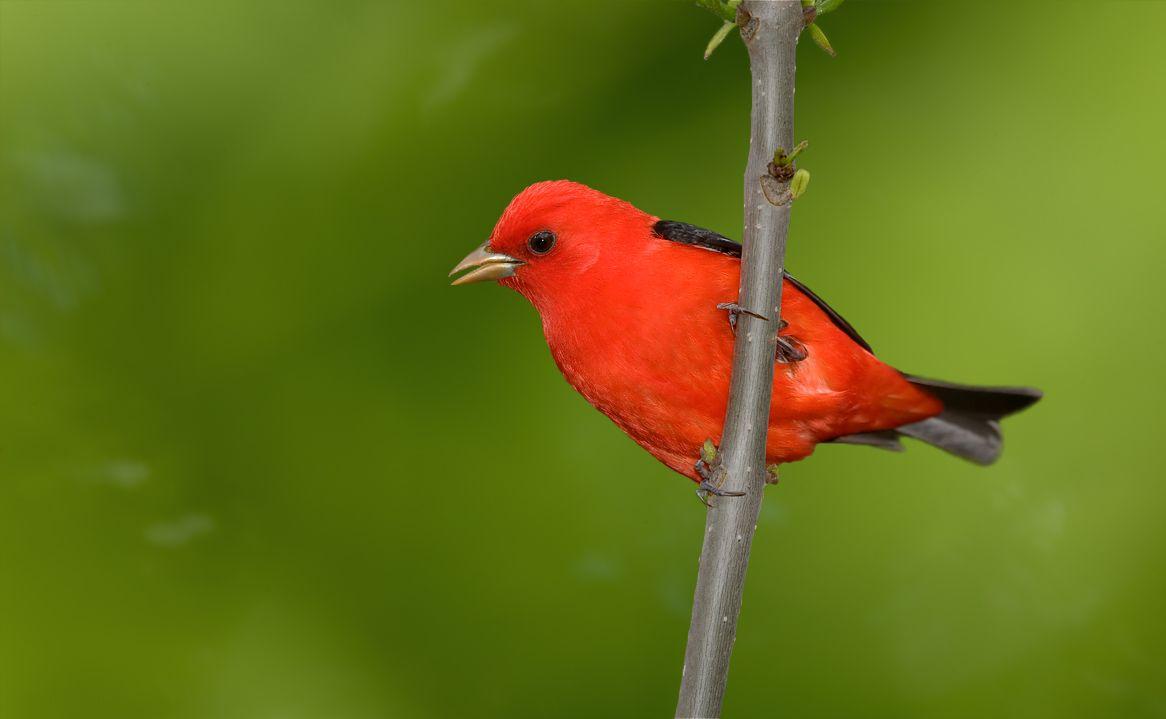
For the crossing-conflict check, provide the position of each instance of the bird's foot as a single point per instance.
(706, 487)
(771, 476)
(789, 348)
(735, 309)
(704, 469)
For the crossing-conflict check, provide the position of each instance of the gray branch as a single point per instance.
(770, 30)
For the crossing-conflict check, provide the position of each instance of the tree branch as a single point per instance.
(770, 29)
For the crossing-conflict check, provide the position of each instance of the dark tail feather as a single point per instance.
(969, 425)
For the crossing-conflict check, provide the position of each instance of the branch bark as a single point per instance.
(770, 29)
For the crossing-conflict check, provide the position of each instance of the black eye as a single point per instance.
(541, 242)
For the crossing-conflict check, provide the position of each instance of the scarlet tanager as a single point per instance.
(629, 307)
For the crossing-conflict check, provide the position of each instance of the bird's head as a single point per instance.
(553, 236)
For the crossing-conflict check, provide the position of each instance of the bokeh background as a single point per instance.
(258, 460)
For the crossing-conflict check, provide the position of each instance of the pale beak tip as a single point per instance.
(484, 265)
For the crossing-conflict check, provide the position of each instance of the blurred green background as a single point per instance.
(258, 460)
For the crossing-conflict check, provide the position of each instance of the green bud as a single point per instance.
(819, 38)
(708, 452)
(798, 185)
(825, 6)
(783, 160)
(797, 150)
(718, 38)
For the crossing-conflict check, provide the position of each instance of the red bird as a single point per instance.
(629, 308)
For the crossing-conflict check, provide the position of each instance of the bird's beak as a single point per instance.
(484, 265)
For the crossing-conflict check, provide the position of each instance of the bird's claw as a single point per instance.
(790, 349)
(707, 486)
(703, 470)
(735, 309)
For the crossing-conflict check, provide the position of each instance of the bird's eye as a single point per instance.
(541, 242)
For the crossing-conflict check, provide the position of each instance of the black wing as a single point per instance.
(687, 234)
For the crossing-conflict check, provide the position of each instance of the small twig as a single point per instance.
(770, 30)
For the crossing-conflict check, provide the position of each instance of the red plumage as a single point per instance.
(631, 320)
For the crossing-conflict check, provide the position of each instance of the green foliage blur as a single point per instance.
(258, 460)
